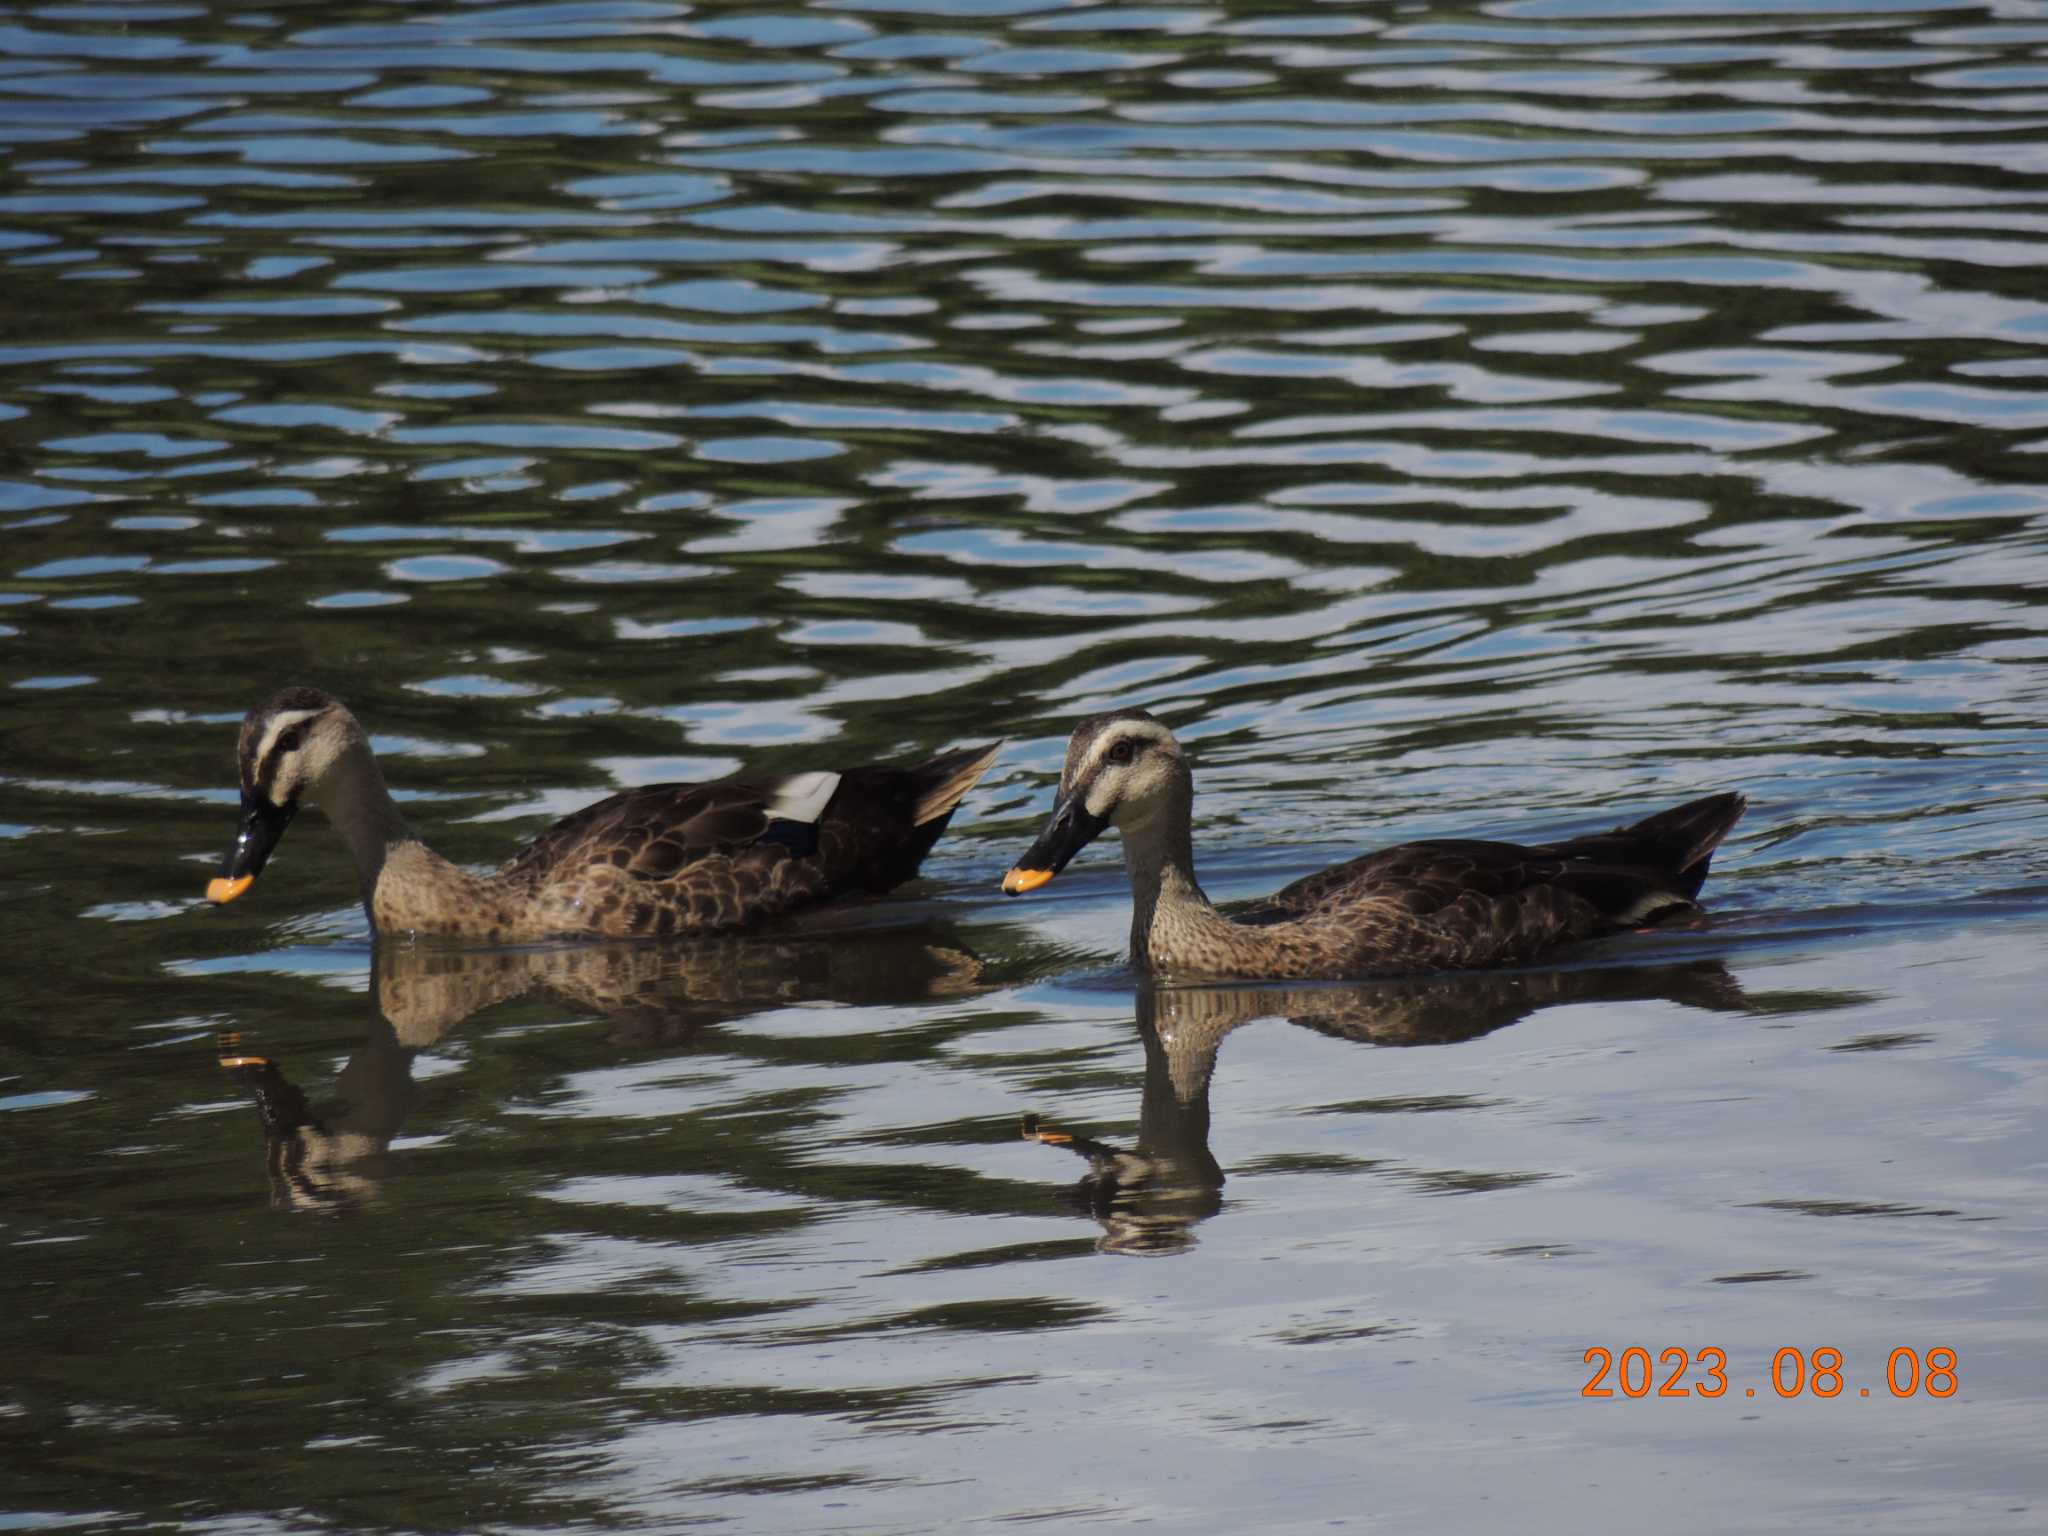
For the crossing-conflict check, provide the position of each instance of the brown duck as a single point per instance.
(668, 858)
(1446, 904)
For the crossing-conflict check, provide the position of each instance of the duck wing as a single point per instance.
(656, 830)
(726, 854)
(1463, 901)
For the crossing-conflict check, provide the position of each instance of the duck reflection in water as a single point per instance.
(1150, 1196)
(335, 1152)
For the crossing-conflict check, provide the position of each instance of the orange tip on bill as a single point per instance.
(1018, 881)
(221, 890)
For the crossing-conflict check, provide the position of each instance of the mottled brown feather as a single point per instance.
(1451, 904)
(694, 855)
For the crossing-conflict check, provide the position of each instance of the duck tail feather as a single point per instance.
(1687, 835)
(941, 783)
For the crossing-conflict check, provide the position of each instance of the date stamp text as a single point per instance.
(1794, 1372)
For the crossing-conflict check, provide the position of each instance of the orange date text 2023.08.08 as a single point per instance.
(1794, 1373)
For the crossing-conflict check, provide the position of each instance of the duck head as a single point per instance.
(1123, 769)
(287, 746)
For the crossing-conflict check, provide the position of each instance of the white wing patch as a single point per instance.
(1655, 904)
(801, 797)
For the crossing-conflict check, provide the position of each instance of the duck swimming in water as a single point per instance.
(667, 858)
(1444, 904)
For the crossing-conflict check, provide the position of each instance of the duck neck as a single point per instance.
(354, 797)
(1167, 902)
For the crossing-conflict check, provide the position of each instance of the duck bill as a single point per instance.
(262, 825)
(1067, 832)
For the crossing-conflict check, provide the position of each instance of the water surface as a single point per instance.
(1501, 418)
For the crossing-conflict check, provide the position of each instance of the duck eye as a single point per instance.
(1121, 752)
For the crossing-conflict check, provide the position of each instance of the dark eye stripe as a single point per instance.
(288, 742)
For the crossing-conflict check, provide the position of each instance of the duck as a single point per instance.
(649, 862)
(1442, 905)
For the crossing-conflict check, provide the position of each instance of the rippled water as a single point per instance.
(1496, 418)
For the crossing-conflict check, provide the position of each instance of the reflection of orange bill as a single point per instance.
(1015, 883)
(232, 1062)
(221, 890)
